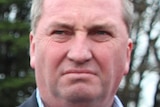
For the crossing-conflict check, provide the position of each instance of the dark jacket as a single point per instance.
(30, 102)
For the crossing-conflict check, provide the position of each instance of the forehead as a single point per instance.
(112, 6)
(83, 13)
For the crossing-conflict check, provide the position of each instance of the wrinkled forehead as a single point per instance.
(63, 5)
(83, 12)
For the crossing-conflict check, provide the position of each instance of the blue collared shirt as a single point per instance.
(117, 102)
(39, 101)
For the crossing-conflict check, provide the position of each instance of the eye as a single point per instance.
(59, 32)
(61, 35)
(101, 32)
(100, 35)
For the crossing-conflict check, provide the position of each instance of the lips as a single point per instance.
(79, 71)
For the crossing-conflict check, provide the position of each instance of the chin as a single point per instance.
(81, 93)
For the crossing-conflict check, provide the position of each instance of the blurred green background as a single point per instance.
(16, 77)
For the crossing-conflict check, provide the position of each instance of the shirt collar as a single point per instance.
(117, 102)
(39, 101)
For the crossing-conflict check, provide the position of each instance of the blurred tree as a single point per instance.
(145, 56)
(16, 77)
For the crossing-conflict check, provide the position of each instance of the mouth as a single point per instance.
(79, 76)
(79, 72)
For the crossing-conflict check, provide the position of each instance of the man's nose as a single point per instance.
(80, 50)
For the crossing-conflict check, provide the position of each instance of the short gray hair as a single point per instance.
(36, 12)
(128, 13)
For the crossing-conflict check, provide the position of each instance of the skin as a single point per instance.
(80, 51)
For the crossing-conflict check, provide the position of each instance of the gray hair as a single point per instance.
(36, 11)
(128, 13)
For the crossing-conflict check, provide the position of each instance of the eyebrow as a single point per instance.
(104, 26)
(93, 26)
(61, 25)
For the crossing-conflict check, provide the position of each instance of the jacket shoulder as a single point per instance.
(30, 102)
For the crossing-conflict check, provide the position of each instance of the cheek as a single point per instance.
(105, 61)
(49, 56)
(48, 53)
(112, 60)
(104, 56)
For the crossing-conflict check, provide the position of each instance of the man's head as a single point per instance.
(36, 12)
(80, 50)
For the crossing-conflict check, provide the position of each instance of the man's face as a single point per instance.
(80, 50)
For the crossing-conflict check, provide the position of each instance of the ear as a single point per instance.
(128, 55)
(32, 49)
